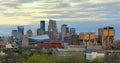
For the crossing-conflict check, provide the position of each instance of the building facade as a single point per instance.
(42, 26)
(63, 31)
(112, 56)
(14, 33)
(93, 52)
(50, 45)
(72, 31)
(29, 33)
(88, 39)
(25, 41)
(106, 37)
(71, 52)
(52, 29)
(74, 40)
(20, 31)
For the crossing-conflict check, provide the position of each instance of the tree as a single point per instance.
(41, 58)
(12, 58)
(72, 60)
(98, 60)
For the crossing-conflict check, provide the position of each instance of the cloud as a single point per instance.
(29, 11)
(27, 1)
(10, 3)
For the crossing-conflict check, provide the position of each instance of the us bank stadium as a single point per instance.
(38, 39)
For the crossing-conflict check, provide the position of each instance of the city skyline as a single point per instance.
(86, 14)
(55, 31)
(80, 27)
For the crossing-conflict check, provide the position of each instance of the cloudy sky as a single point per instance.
(83, 13)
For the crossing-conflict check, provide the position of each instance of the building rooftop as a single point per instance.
(71, 49)
(40, 37)
(97, 49)
(94, 47)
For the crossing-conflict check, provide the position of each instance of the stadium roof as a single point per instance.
(40, 37)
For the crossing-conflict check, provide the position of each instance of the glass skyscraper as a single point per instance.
(20, 31)
(14, 33)
(63, 31)
(42, 26)
(52, 29)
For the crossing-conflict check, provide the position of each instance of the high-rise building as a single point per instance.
(63, 31)
(14, 33)
(20, 31)
(40, 31)
(72, 31)
(42, 26)
(67, 35)
(52, 29)
(29, 33)
(106, 37)
(67, 29)
(88, 39)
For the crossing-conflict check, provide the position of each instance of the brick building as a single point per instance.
(51, 44)
(74, 40)
(25, 41)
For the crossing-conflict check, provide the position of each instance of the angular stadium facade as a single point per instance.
(38, 39)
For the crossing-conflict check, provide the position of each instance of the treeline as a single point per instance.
(26, 55)
(42, 58)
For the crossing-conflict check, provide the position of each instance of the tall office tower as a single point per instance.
(67, 35)
(29, 33)
(14, 33)
(42, 26)
(88, 39)
(72, 31)
(52, 29)
(67, 30)
(106, 37)
(63, 31)
(20, 31)
(40, 32)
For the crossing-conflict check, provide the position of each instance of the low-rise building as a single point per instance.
(93, 55)
(74, 40)
(70, 52)
(112, 56)
(2, 53)
(8, 46)
(51, 44)
(93, 52)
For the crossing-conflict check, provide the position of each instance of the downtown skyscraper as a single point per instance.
(52, 29)
(64, 30)
(14, 33)
(72, 31)
(42, 26)
(41, 30)
(20, 31)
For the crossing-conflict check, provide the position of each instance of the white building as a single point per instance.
(2, 53)
(93, 55)
(8, 46)
(93, 52)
